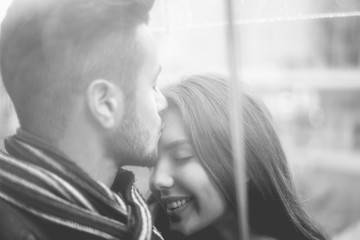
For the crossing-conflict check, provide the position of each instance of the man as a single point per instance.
(82, 77)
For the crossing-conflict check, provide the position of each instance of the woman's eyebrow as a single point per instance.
(176, 143)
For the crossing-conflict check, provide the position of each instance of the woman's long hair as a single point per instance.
(203, 101)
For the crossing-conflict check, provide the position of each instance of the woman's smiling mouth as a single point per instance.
(176, 205)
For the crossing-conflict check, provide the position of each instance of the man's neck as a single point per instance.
(90, 159)
(99, 168)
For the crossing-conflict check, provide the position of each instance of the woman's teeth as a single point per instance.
(176, 204)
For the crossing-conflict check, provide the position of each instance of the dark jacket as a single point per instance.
(16, 224)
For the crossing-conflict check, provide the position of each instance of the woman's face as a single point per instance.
(180, 182)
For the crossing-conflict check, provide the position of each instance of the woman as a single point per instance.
(194, 179)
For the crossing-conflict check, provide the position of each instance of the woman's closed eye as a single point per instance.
(182, 155)
(183, 158)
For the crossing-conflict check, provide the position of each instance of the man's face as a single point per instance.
(140, 127)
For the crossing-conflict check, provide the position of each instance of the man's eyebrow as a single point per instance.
(176, 143)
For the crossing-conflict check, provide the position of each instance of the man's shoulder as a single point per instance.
(16, 224)
(4, 154)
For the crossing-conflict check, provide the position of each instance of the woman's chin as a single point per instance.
(181, 229)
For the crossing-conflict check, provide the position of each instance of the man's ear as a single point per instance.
(105, 101)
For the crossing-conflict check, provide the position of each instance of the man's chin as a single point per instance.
(148, 160)
(145, 163)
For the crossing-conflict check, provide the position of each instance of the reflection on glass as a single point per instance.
(270, 10)
(303, 58)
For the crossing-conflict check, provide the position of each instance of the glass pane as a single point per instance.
(173, 15)
(303, 58)
(268, 10)
(190, 36)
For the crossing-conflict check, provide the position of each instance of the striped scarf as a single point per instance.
(41, 181)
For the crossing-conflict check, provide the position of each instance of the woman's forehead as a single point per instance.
(174, 127)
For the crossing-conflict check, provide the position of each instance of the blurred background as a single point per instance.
(302, 57)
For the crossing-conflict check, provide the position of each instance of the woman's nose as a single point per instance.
(161, 178)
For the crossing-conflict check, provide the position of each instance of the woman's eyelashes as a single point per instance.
(183, 155)
(183, 158)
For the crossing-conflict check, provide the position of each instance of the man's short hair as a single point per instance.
(51, 49)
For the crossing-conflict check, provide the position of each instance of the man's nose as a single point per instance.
(162, 103)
